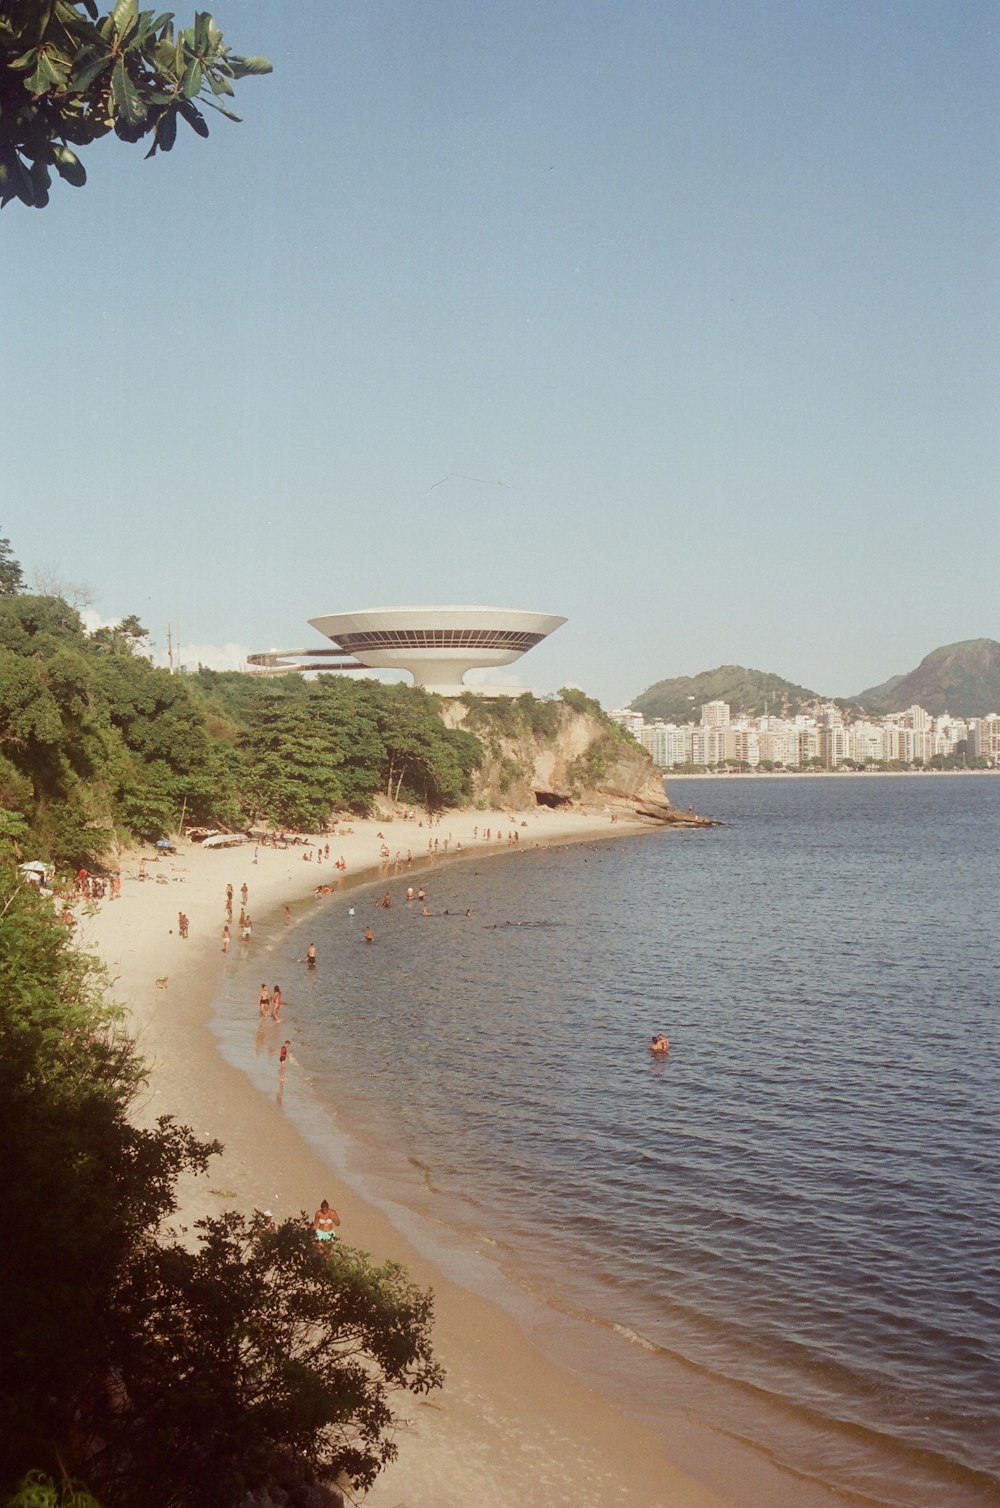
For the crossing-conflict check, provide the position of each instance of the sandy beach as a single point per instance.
(509, 1426)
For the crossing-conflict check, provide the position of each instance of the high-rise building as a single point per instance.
(715, 715)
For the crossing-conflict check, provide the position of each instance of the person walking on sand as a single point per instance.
(283, 1054)
(264, 1000)
(244, 892)
(324, 1220)
(288, 916)
(226, 938)
(276, 1003)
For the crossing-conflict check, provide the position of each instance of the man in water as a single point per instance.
(311, 955)
(324, 1221)
(659, 1044)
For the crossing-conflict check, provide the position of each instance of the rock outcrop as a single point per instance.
(555, 754)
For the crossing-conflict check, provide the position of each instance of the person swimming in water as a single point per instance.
(659, 1045)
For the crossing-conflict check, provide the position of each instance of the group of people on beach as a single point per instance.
(270, 1000)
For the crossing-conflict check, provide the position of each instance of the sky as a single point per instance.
(680, 320)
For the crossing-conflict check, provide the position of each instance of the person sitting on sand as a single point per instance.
(324, 1220)
(369, 935)
(660, 1045)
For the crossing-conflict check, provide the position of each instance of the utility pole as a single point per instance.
(170, 650)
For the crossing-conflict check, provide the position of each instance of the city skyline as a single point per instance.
(679, 320)
(829, 737)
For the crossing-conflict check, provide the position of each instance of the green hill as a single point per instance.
(963, 679)
(680, 699)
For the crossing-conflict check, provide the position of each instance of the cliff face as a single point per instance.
(559, 757)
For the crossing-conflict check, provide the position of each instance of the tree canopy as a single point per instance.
(95, 739)
(151, 1370)
(70, 74)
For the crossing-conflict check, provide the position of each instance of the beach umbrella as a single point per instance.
(34, 866)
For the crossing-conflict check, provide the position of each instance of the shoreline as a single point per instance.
(812, 774)
(510, 1424)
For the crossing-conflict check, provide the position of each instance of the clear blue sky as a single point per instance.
(704, 294)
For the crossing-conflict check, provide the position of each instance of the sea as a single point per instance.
(786, 1233)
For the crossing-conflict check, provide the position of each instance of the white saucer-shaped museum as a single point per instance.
(437, 645)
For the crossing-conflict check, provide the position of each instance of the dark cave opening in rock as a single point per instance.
(550, 798)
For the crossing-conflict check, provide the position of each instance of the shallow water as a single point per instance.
(788, 1229)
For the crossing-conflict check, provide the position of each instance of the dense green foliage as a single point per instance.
(11, 575)
(149, 1371)
(96, 739)
(37, 1489)
(681, 698)
(82, 1184)
(963, 679)
(512, 717)
(69, 74)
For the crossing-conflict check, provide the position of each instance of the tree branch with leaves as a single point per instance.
(69, 74)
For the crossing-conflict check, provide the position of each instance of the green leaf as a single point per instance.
(69, 166)
(91, 62)
(26, 60)
(125, 94)
(124, 16)
(165, 57)
(219, 85)
(223, 111)
(191, 82)
(244, 67)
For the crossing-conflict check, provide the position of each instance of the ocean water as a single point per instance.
(789, 1230)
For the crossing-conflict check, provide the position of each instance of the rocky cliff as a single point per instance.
(555, 753)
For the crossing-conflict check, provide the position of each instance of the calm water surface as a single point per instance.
(789, 1229)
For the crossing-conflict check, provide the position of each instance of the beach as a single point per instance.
(509, 1426)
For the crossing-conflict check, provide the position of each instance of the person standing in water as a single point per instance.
(276, 1003)
(311, 956)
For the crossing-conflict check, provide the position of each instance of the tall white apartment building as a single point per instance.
(715, 715)
(865, 742)
(713, 745)
(984, 738)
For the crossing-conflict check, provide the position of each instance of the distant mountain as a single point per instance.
(747, 691)
(963, 679)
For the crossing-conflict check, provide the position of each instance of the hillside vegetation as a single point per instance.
(963, 679)
(98, 745)
(750, 692)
